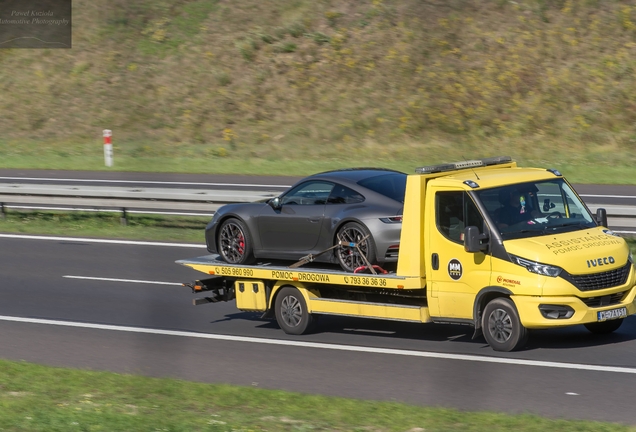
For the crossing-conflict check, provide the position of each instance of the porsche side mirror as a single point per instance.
(274, 203)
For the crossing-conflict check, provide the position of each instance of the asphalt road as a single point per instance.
(151, 328)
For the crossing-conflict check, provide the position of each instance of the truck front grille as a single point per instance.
(597, 281)
(600, 301)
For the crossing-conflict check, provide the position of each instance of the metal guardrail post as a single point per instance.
(3, 214)
(124, 217)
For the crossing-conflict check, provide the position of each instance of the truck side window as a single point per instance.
(455, 211)
(449, 211)
(473, 215)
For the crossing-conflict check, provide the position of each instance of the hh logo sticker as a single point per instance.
(455, 269)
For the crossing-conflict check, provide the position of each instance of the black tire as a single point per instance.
(234, 242)
(349, 258)
(501, 326)
(291, 311)
(604, 327)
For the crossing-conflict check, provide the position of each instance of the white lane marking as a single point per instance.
(327, 346)
(146, 182)
(122, 280)
(90, 240)
(608, 196)
(572, 394)
(369, 331)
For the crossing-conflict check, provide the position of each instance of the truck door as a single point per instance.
(459, 274)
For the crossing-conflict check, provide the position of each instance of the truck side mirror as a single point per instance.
(473, 241)
(547, 205)
(601, 217)
(275, 203)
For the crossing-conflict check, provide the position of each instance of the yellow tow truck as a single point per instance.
(484, 243)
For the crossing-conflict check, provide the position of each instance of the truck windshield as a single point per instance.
(535, 208)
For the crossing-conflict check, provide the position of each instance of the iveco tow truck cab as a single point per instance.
(483, 243)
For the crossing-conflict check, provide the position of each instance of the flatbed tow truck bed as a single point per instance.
(326, 291)
(213, 265)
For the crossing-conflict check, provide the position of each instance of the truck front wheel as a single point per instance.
(604, 327)
(502, 327)
(291, 311)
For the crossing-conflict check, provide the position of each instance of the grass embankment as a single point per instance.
(271, 87)
(38, 398)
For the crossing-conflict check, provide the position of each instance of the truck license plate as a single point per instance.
(612, 314)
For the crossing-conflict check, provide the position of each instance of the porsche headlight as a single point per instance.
(535, 267)
(630, 257)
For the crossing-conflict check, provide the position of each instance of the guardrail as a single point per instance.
(123, 199)
(202, 202)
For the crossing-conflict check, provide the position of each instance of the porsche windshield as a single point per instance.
(535, 208)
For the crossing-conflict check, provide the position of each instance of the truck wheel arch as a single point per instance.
(483, 297)
(304, 290)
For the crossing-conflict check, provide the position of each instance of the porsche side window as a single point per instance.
(308, 193)
(390, 185)
(344, 195)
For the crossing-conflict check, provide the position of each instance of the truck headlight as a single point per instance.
(535, 267)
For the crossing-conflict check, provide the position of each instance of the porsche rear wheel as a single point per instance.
(350, 256)
(235, 242)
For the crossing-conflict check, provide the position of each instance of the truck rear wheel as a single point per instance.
(604, 327)
(502, 327)
(291, 311)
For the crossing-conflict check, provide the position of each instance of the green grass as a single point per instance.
(39, 398)
(594, 168)
(182, 229)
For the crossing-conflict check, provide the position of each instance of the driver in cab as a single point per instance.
(515, 209)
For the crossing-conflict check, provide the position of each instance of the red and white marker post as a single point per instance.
(108, 147)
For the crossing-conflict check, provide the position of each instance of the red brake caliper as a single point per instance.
(241, 243)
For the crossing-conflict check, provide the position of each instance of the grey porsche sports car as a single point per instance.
(354, 212)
